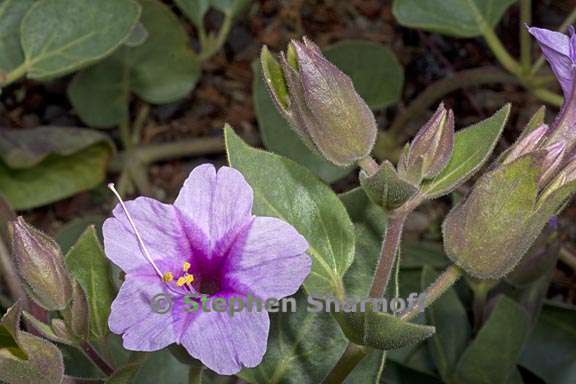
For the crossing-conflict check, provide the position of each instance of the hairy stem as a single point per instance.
(568, 257)
(388, 254)
(92, 354)
(184, 148)
(368, 165)
(500, 52)
(435, 290)
(350, 358)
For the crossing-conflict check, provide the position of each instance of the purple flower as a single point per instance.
(560, 52)
(207, 242)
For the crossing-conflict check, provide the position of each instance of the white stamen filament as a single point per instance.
(140, 241)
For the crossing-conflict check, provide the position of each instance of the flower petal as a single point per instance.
(132, 315)
(268, 260)
(219, 203)
(225, 343)
(162, 228)
(556, 49)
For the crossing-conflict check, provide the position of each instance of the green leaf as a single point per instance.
(506, 330)
(302, 348)
(60, 36)
(42, 165)
(279, 137)
(161, 70)
(162, 368)
(472, 147)
(231, 7)
(550, 351)
(288, 191)
(459, 18)
(127, 373)
(381, 330)
(195, 10)
(9, 333)
(11, 14)
(88, 265)
(449, 317)
(25, 358)
(377, 75)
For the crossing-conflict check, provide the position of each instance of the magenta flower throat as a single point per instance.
(207, 242)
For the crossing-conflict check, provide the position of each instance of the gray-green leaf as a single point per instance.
(375, 71)
(507, 329)
(459, 18)
(11, 14)
(60, 36)
(37, 169)
(161, 70)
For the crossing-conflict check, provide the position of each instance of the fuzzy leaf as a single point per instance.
(288, 191)
(381, 330)
(161, 70)
(11, 14)
(42, 165)
(472, 147)
(459, 18)
(25, 358)
(507, 329)
(60, 36)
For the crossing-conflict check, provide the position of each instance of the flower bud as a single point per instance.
(77, 315)
(530, 143)
(320, 103)
(564, 177)
(432, 147)
(385, 188)
(41, 265)
(554, 154)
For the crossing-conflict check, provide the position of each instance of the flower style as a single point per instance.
(207, 242)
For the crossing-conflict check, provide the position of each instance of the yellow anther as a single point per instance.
(189, 278)
(186, 266)
(167, 277)
(181, 281)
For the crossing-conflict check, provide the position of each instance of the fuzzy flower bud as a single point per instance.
(41, 265)
(530, 143)
(554, 154)
(431, 149)
(320, 103)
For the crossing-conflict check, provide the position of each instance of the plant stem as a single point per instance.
(568, 21)
(92, 354)
(14, 75)
(184, 148)
(480, 290)
(502, 55)
(211, 46)
(353, 354)
(388, 254)
(195, 374)
(525, 41)
(435, 290)
(548, 97)
(139, 121)
(568, 257)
